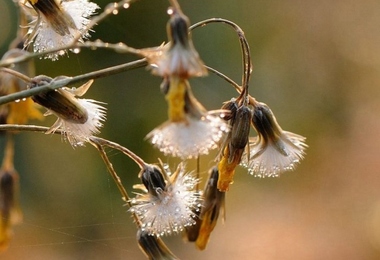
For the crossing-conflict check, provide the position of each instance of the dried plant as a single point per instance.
(169, 202)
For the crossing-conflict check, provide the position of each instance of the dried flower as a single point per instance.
(191, 130)
(213, 204)
(273, 151)
(58, 24)
(179, 57)
(167, 205)
(153, 247)
(78, 118)
(20, 111)
(240, 119)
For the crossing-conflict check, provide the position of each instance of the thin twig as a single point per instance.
(226, 78)
(95, 141)
(104, 142)
(247, 64)
(64, 81)
(17, 74)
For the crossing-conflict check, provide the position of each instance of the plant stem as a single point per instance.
(61, 82)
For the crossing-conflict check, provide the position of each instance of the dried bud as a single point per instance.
(213, 203)
(274, 150)
(153, 247)
(230, 106)
(60, 102)
(10, 212)
(178, 58)
(178, 29)
(239, 131)
(235, 144)
(152, 179)
(78, 118)
(265, 123)
(59, 20)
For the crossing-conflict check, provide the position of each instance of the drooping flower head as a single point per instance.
(213, 203)
(20, 111)
(58, 23)
(273, 151)
(168, 202)
(177, 58)
(239, 117)
(78, 118)
(190, 130)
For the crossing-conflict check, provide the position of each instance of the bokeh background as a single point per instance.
(316, 64)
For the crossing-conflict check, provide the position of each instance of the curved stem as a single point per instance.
(17, 74)
(226, 78)
(175, 5)
(98, 143)
(140, 162)
(251, 100)
(247, 64)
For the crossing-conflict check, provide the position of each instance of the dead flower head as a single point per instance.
(273, 151)
(78, 118)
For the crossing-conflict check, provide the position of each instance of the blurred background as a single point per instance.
(316, 64)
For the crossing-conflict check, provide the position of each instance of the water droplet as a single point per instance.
(76, 50)
(17, 100)
(170, 11)
(126, 5)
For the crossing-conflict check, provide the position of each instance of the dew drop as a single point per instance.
(170, 11)
(76, 50)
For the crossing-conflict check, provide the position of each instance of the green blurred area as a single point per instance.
(316, 64)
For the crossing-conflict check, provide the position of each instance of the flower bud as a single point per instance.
(153, 247)
(178, 29)
(213, 203)
(60, 102)
(152, 179)
(273, 151)
(10, 212)
(240, 131)
(235, 144)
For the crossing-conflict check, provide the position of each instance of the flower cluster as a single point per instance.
(168, 203)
